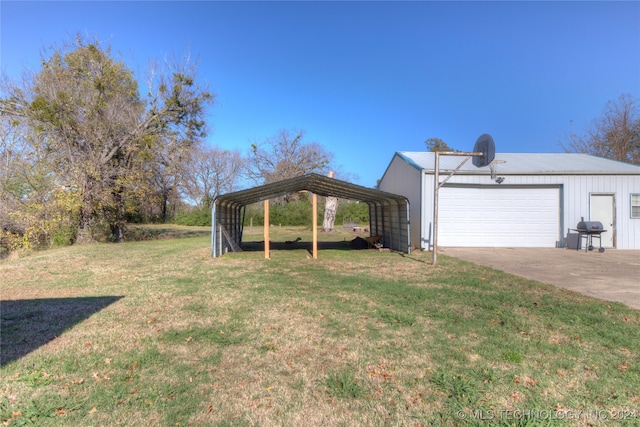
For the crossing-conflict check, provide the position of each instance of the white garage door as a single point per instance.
(498, 217)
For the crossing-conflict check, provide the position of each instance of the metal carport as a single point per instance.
(388, 213)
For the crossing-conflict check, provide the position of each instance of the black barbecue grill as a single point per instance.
(588, 230)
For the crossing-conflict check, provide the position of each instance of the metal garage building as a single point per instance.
(521, 200)
(388, 213)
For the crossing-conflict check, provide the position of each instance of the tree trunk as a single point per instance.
(86, 214)
(330, 208)
(165, 203)
(117, 231)
(119, 219)
(85, 226)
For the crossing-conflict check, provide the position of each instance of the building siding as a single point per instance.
(403, 178)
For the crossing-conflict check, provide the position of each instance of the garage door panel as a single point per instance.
(498, 217)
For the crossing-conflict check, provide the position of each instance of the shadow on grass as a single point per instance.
(26, 325)
(283, 246)
(140, 233)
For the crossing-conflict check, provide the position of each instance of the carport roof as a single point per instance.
(388, 213)
(315, 183)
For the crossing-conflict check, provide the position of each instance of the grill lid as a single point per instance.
(590, 226)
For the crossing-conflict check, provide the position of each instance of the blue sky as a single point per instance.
(367, 79)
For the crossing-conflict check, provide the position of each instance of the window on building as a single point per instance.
(635, 205)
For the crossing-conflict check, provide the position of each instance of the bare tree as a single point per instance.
(168, 172)
(286, 155)
(615, 135)
(211, 172)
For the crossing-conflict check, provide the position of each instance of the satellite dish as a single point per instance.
(484, 145)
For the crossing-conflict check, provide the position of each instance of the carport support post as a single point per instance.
(436, 186)
(314, 222)
(213, 230)
(266, 229)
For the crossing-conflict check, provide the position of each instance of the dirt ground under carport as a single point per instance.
(613, 275)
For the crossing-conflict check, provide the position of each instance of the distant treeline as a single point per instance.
(296, 212)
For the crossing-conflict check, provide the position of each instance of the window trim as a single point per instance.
(634, 204)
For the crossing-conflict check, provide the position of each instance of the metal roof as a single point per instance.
(315, 183)
(388, 213)
(528, 164)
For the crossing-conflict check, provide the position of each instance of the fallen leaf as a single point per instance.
(60, 411)
(529, 382)
(93, 410)
(189, 339)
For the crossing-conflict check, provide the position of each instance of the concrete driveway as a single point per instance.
(612, 275)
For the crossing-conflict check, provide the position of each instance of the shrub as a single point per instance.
(298, 212)
(196, 217)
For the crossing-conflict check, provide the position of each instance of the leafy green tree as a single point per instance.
(436, 144)
(615, 135)
(100, 135)
(35, 210)
(298, 212)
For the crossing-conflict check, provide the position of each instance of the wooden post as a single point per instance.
(314, 213)
(266, 230)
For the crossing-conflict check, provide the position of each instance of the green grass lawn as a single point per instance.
(158, 333)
